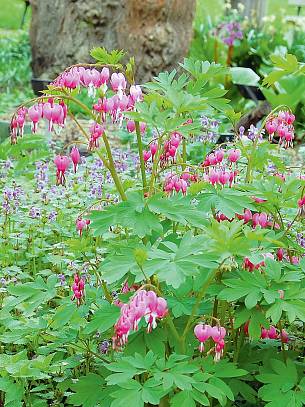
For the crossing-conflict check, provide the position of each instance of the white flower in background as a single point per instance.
(241, 7)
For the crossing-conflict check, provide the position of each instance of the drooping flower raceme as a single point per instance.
(178, 183)
(78, 289)
(108, 109)
(144, 304)
(282, 125)
(219, 172)
(217, 333)
(270, 333)
(17, 124)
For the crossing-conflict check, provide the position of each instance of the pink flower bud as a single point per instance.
(247, 215)
(146, 155)
(219, 154)
(234, 155)
(272, 334)
(153, 148)
(131, 126)
(263, 220)
(62, 163)
(284, 336)
(104, 75)
(213, 177)
(80, 225)
(202, 332)
(175, 140)
(280, 254)
(224, 177)
(264, 333)
(75, 157)
(172, 151)
(212, 159)
(136, 92)
(118, 81)
(142, 127)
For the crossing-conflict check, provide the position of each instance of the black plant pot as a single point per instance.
(251, 92)
(225, 138)
(39, 85)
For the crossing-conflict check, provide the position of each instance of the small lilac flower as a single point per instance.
(241, 131)
(104, 347)
(254, 132)
(52, 216)
(62, 279)
(35, 213)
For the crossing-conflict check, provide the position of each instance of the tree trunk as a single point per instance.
(156, 32)
(254, 9)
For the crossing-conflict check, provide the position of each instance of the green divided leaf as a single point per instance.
(13, 392)
(104, 57)
(103, 319)
(89, 391)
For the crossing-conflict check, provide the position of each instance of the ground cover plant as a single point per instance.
(14, 69)
(169, 271)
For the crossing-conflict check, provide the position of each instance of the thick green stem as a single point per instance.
(99, 153)
(184, 154)
(112, 169)
(164, 402)
(140, 149)
(239, 344)
(172, 328)
(110, 165)
(282, 342)
(155, 166)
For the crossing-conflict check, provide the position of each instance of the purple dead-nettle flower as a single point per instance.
(210, 128)
(241, 131)
(301, 239)
(35, 213)
(96, 191)
(255, 132)
(17, 192)
(41, 175)
(210, 137)
(52, 216)
(98, 164)
(11, 199)
(62, 279)
(54, 190)
(8, 164)
(3, 281)
(6, 207)
(271, 169)
(214, 124)
(104, 347)
(204, 121)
